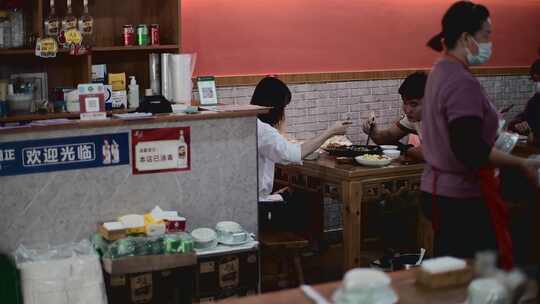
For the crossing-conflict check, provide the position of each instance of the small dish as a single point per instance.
(389, 147)
(393, 154)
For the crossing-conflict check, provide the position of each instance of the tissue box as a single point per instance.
(444, 279)
(175, 224)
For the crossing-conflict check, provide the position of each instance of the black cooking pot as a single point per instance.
(354, 150)
(397, 262)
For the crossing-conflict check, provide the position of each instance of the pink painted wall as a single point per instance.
(245, 37)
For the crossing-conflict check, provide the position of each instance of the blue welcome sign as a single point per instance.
(67, 153)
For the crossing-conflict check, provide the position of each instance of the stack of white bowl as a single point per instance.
(365, 286)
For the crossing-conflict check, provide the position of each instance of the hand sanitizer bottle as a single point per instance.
(133, 94)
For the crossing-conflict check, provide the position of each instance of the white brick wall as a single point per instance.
(315, 106)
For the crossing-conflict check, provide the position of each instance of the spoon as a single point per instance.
(422, 252)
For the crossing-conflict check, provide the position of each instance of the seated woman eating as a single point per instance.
(272, 146)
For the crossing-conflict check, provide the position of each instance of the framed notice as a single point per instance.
(92, 101)
(161, 150)
(207, 90)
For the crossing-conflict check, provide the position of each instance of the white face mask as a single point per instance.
(484, 53)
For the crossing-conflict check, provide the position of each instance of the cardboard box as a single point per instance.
(173, 286)
(154, 279)
(225, 275)
(111, 235)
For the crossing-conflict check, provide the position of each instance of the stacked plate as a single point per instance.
(365, 286)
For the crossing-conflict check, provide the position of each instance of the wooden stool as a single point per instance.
(287, 246)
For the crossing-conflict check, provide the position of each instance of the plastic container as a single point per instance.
(133, 93)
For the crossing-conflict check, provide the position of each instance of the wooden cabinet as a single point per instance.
(109, 18)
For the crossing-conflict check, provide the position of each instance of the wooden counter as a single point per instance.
(371, 200)
(226, 112)
(403, 283)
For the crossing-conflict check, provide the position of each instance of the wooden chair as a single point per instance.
(286, 246)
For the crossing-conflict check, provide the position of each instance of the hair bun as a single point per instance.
(436, 42)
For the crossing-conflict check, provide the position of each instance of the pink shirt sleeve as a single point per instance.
(465, 99)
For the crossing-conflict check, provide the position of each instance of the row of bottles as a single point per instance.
(55, 26)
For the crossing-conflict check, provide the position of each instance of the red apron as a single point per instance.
(490, 186)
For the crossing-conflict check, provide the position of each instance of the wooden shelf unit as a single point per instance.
(109, 18)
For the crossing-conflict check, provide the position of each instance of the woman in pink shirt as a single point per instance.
(460, 185)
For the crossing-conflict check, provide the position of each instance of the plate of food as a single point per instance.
(373, 160)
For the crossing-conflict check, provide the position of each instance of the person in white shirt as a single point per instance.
(412, 94)
(272, 146)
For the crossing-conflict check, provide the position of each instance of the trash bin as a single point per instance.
(9, 281)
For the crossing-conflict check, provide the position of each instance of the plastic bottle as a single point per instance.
(133, 94)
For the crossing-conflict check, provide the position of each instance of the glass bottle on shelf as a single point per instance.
(5, 30)
(86, 25)
(52, 23)
(69, 21)
(17, 27)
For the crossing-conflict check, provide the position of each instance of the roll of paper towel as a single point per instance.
(165, 77)
(176, 74)
(155, 73)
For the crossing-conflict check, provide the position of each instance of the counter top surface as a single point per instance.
(222, 112)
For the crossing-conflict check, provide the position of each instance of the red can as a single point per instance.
(154, 34)
(129, 35)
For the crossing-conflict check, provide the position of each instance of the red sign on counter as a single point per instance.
(161, 150)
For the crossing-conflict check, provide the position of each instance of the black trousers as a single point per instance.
(465, 226)
(289, 215)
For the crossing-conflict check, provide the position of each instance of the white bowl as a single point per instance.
(388, 147)
(393, 154)
(365, 286)
(204, 238)
(382, 161)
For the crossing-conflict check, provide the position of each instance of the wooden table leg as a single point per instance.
(352, 195)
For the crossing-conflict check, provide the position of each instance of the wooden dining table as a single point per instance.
(361, 195)
(403, 283)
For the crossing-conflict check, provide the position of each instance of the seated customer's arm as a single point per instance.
(415, 153)
(310, 145)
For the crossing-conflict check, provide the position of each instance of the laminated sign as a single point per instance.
(64, 153)
(161, 150)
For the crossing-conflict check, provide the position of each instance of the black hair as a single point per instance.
(535, 68)
(461, 17)
(274, 93)
(413, 86)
